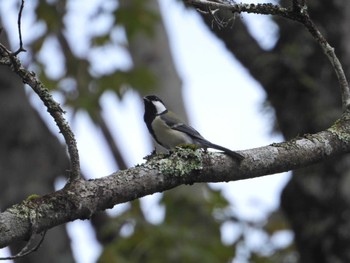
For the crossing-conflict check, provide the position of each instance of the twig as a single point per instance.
(26, 250)
(330, 53)
(298, 13)
(54, 108)
(215, 15)
(263, 9)
(20, 49)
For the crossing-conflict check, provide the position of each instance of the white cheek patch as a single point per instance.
(159, 106)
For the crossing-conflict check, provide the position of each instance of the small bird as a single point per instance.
(169, 131)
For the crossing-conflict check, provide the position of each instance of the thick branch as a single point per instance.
(81, 199)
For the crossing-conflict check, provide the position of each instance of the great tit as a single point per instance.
(169, 131)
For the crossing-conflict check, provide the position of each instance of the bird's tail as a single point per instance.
(231, 153)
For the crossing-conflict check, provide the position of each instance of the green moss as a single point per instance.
(32, 197)
(179, 162)
(343, 136)
(340, 129)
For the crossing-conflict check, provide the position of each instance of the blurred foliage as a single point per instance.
(79, 84)
(136, 17)
(189, 233)
(191, 229)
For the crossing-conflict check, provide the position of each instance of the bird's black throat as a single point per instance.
(149, 116)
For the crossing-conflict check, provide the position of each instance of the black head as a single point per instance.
(153, 106)
(152, 98)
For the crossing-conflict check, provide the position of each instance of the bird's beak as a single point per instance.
(146, 99)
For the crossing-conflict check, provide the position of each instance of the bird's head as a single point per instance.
(154, 105)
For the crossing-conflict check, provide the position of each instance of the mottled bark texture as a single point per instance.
(81, 199)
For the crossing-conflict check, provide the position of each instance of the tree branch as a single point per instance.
(112, 144)
(7, 58)
(298, 12)
(81, 199)
(330, 53)
(20, 49)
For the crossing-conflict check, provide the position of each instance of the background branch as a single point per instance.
(113, 146)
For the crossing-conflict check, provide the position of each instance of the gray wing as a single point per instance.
(179, 125)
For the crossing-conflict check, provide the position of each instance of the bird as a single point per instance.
(169, 131)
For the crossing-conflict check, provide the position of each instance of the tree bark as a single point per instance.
(31, 158)
(80, 199)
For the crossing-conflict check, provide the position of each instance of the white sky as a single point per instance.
(226, 92)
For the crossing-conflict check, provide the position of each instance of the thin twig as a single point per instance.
(298, 13)
(26, 250)
(263, 9)
(54, 108)
(20, 49)
(330, 53)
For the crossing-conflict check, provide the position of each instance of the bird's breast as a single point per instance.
(168, 137)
